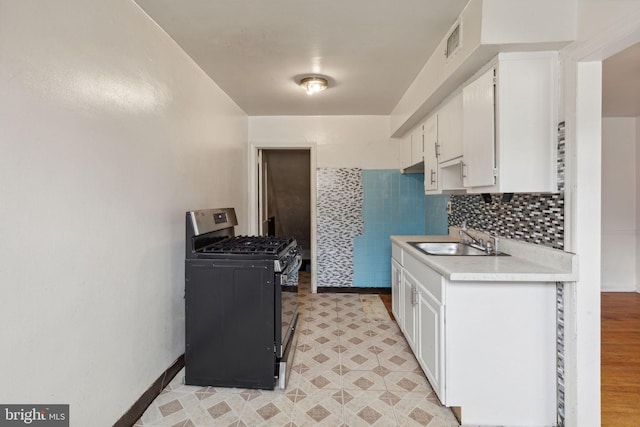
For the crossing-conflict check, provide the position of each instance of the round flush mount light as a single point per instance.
(314, 84)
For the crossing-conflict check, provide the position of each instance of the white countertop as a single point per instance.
(527, 263)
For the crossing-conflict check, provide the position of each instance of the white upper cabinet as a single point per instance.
(412, 151)
(450, 129)
(430, 138)
(406, 151)
(496, 134)
(417, 144)
(509, 125)
(478, 136)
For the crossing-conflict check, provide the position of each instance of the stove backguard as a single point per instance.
(207, 226)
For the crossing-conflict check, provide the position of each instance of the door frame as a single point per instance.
(253, 192)
(582, 83)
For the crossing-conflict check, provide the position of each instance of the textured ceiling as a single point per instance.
(256, 50)
(371, 50)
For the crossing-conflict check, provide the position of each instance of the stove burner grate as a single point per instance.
(249, 245)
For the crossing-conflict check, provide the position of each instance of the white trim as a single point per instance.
(252, 219)
(582, 84)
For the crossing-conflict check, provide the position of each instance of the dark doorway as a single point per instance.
(286, 199)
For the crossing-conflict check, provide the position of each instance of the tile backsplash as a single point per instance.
(436, 211)
(529, 217)
(357, 212)
(561, 156)
(339, 220)
(393, 205)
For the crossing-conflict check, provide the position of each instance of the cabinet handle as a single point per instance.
(414, 295)
(433, 176)
(462, 175)
(437, 147)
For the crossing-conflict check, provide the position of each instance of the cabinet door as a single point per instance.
(409, 290)
(406, 151)
(430, 137)
(412, 149)
(450, 129)
(478, 135)
(430, 348)
(396, 279)
(417, 145)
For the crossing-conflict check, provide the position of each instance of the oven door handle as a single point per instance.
(291, 269)
(294, 266)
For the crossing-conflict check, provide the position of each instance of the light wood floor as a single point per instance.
(386, 300)
(620, 359)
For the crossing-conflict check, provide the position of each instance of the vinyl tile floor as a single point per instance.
(351, 368)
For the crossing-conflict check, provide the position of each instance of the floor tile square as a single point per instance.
(268, 409)
(367, 408)
(407, 382)
(398, 359)
(420, 412)
(321, 377)
(320, 408)
(363, 381)
(359, 359)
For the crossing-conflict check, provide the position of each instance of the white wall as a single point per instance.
(619, 200)
(342, 141)
(108, 134)
(637, 203)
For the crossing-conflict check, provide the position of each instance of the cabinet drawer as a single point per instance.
(428, 278)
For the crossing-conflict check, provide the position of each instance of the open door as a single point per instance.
(263, 200)
(284, 195)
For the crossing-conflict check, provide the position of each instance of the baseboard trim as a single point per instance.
(352, 290)
(139, 406)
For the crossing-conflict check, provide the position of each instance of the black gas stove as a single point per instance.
(240, 303)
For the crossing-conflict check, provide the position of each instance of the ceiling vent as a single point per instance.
(453, 42)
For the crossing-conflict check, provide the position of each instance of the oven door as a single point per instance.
(288, 299)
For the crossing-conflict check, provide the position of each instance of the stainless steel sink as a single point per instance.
(451, 249)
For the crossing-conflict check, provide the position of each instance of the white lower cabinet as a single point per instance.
(396, 280)
(487, 348)
(430, 348)
(409, 290)
(428, 312)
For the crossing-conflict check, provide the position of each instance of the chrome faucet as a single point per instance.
(491, 249)
(463, 232)
(496, 241)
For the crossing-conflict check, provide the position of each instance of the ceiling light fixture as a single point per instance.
(314, 84)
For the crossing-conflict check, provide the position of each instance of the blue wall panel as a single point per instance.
(393, 204)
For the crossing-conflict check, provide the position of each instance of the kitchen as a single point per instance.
(95, 97)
